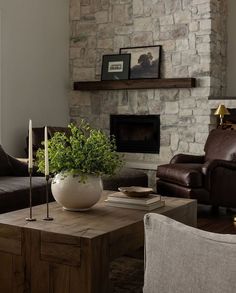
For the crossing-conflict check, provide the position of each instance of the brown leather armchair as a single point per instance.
(211, 178)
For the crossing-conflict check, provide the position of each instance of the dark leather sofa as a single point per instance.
(211, 178)
(14, 184)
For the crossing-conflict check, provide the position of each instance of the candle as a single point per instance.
(30, 162)
(46, 151)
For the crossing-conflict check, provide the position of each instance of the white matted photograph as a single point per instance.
(115, 67)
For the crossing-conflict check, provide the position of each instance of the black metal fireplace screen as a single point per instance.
(136, 133)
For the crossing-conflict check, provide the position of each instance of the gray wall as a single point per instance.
(231, 64)
(34, 68)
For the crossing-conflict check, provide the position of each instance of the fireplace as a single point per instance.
(136, 133)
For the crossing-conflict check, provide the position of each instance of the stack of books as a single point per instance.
(149, 203)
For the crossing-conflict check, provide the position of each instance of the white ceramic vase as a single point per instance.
(74, 195)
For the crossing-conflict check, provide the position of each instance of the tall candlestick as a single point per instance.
(30, 166)
(46, 163)
(47, 218)
(46, 151)
(30, 163)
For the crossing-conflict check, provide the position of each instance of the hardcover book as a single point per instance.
(118, 199)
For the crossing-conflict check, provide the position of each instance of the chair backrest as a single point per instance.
(221, 144)
(5, 164)
(38, 136)
(181, 259)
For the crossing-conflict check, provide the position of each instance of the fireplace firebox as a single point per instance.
(136, 133)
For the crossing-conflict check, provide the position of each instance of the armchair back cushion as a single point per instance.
(221, 144)
(38, 136)
(5, 164)
(181, 259)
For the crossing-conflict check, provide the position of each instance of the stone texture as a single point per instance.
(143, 24)
(182, 45)
(172, 6)
(105, 43)
(85, 74)
(194, 26)
(174, 141)
(142, 39)
(171, 107)
(74, 10)
(205, 24)
(101, 16)
(182, 17)
(183, 147)
(166, 20)
(196, 148)
(138, 8)
(122, 14)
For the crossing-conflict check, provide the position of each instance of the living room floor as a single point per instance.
(220, 222)
(127, 272)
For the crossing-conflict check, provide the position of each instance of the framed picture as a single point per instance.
(115, 67)
(144, 62)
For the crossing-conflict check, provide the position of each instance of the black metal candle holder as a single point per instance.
(30, 218)
(47, 218)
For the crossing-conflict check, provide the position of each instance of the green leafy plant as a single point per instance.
(85, 151)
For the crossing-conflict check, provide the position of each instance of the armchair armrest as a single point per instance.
(220, 181)
(184, 158)
(20, 167)
(210, 166)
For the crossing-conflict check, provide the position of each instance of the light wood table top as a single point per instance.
(97, 221)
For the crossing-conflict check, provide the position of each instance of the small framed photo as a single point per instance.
(144, 62)
(115, 67)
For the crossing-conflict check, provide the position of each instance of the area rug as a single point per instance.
(127, 275)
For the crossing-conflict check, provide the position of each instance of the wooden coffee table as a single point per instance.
(72, 253)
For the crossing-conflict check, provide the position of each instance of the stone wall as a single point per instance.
(192, 35)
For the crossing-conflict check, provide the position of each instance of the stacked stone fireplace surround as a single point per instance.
(193, 37)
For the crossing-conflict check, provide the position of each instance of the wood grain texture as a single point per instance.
(6, 271)
(10, 239)
(62, 249)
(72, 254)
(135, 84)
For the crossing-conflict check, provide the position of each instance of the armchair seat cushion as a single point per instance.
(189, 175)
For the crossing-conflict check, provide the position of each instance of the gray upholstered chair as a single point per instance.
(182, 259)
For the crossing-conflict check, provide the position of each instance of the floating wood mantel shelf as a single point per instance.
(135, 84)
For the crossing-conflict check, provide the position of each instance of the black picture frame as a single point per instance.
(115, 67)
(144, 61)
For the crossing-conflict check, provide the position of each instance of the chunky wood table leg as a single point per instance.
(12, 264)
(95, 264)
(185, 214)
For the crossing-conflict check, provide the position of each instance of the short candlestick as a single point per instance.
(47, 218)
(30, 218)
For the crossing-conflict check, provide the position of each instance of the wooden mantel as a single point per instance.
(135, 84)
